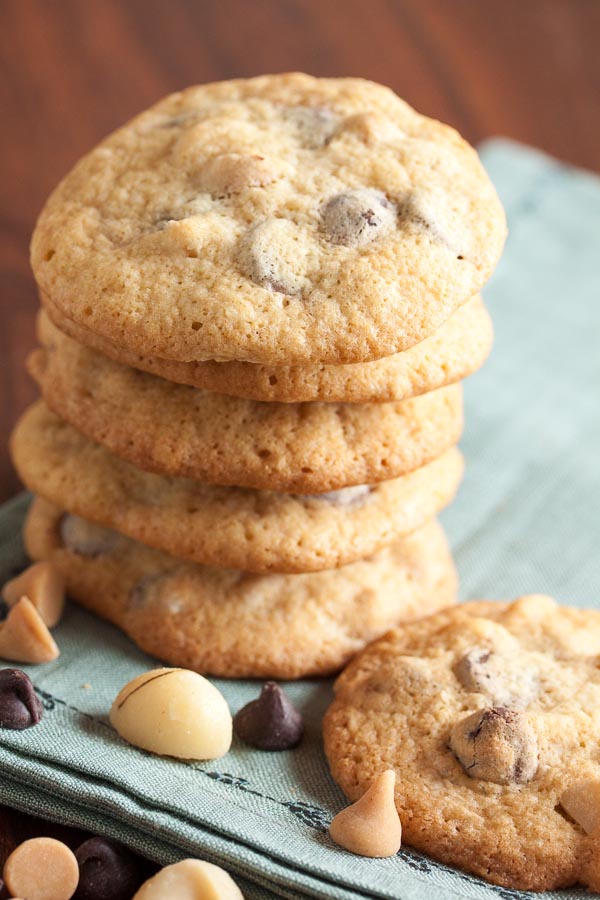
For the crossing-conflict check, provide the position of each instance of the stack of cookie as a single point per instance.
(258, 297)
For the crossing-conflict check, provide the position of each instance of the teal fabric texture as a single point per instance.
(526, 520)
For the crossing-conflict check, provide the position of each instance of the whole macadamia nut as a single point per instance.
(190, 879)
(173, 712)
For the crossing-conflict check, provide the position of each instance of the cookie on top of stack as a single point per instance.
(257, 300)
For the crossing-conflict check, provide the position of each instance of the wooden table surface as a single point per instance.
(72, 70)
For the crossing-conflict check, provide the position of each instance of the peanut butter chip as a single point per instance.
(371, 826)
(232, 173)
(190, 879)
(41, 869)
(44, 586)
(582, 802)
(496, 744)
(24, 637)
(173, 712)
(370, 128)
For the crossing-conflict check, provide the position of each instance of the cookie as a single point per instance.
(457, 349)
(246, 529)
(174, 429)
(280, 220)
(488, 713)
(229, 623)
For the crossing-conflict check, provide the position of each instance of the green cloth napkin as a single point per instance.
(526, 520)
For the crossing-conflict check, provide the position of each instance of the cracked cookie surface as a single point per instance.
(234, 624)
(174, 429)
(490, 715)
(227, 526)
(283, 219)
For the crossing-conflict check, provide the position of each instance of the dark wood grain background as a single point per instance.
(72, 70)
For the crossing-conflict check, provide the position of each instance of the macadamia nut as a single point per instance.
(173, 712)
(190, 879)
(582, 802)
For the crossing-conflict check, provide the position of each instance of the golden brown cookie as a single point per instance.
(457, 349)
(174, 429)
(488, 713)
(256, 531)
(280, 220)
(226, 622)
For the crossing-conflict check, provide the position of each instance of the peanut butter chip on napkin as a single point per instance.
(24, 636)
(371, 826)
(41, 869)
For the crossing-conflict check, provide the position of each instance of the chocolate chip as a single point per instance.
(471, 669)
(86, 538)
(271, 722)
(496, 744)
(107, 871)
(507, 680)
(314, 125)
(19, 706)
(355, 218)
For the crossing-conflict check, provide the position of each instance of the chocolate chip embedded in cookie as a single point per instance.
(279, 220)
(86, 538)
(499, 674)
(496, 744)
(355, 218)
(509, 793)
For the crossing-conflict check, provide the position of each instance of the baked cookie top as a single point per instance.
(283, 219)
(257, 531)
(234, 624)
(488, 713)
(174, 429)
(457, 349)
